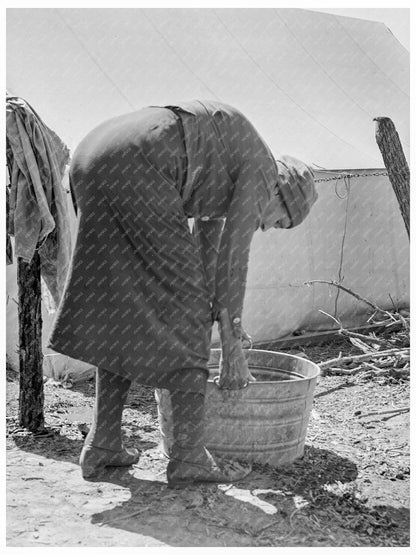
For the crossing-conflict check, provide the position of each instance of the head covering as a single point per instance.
(296, 188)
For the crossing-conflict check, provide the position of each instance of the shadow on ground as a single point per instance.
(291, 506)
(61, 448)
(312, 502)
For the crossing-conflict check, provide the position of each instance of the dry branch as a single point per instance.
(373, 366)
(362, 345)
(364, 337)
(357, 338)
(360, 358)
(389, 411)
(356, 295)
(343, 371)
(384, 349)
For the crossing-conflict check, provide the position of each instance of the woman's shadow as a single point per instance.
(269, 500)
(213, 515)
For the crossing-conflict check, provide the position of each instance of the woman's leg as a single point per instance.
(103, 445)
(190, 461)
(187, 415)
(111, 392)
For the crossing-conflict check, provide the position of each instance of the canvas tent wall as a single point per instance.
(310, 82)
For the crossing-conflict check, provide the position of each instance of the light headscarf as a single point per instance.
(296, 188)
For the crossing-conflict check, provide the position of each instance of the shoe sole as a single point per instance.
(90, 472)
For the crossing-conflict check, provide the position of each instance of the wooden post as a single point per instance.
(388, 141)
(31, 396)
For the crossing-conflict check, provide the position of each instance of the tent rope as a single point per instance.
(349, 176)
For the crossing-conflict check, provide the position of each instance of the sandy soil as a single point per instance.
(351, 488)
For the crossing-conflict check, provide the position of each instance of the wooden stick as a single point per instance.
(362, 345)
(31, 396)
(360, 358)
(383, 363)
(365, 337)
(348, 333)
(338, 322)
(384, 419)
(388, 141)
(390, 411)
(372, 366)
(343, 372)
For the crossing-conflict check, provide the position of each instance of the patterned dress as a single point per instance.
(136, 300)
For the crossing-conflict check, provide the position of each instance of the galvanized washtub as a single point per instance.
(265, 422)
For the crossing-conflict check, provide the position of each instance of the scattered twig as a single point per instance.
(403, 321)
(370, 338)
(123, 517)
(328, 391)
(371, 317)
(362, 345)
(372, 366)
(394, 304)
(393, 319)
(343, 371)
(386, 363)
(385, 418)
(261, 530)
(359, 336)
(389, 411)
(332, 318)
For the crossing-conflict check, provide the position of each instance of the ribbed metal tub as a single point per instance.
(265, 422)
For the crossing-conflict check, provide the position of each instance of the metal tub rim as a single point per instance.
(315, 371)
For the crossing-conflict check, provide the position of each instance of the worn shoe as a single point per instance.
(181, 473)
(93, 460)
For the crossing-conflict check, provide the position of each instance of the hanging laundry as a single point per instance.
(37, 209)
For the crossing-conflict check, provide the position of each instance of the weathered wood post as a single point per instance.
(27, 144)
(388, 141)
(31, 396)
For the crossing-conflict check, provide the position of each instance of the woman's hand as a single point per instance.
(240, 333)
(236, 328)
(234, 371)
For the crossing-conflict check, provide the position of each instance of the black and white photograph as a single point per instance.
(207, 279)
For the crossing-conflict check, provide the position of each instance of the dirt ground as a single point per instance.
(351, 488)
